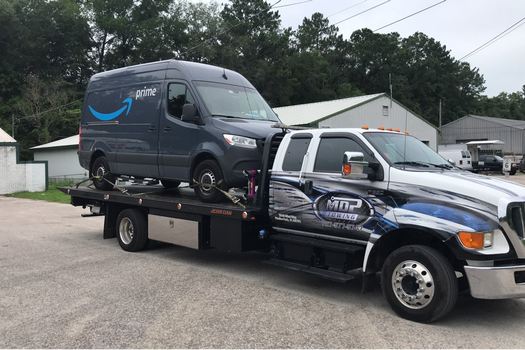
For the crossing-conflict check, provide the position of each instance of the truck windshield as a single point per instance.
(234, 101)
(414, 153)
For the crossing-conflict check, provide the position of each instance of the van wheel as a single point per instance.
(170, 183)
(208, 175)
(100, 173)
(419, 283)
(132, 230)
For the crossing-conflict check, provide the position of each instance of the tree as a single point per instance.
(251, 41)
(45, 111)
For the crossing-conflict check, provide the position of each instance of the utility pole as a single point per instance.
(12, 125)
(440, 120)
(390, 85)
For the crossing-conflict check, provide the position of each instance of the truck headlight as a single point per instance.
(241, 141)
(476, 240)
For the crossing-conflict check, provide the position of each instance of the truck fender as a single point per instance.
(379, 246)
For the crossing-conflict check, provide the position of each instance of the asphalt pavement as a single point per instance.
(63, 286)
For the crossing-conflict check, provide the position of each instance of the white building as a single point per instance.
(62, 158)
(376, 110)
(17, 176)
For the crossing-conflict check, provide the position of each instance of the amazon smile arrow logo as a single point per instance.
(113, 115)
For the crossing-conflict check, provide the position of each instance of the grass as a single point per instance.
(53, 194)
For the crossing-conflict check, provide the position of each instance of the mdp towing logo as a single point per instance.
(342, 207)
(127, 103)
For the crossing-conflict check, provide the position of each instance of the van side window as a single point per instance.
(178, 95)
(330, 154)
(293, 159)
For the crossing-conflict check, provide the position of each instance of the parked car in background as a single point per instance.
(492, 163)
(522, 165)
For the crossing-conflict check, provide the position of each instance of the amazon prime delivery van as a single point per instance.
(174, 121)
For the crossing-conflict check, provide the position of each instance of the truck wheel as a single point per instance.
(170, 183)
(208, 175)
(132, 230)
(100, 173)
(419, 283)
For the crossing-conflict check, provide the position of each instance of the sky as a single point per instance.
(460, 25)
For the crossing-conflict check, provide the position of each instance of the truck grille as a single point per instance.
(274, 146)
(516, 214)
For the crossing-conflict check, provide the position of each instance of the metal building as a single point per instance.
(373, 110)
(481, 128)
(62, 158)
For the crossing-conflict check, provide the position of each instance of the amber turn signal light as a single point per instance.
(347, 169)
(472, 240)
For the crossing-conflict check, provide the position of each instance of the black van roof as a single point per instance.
(168, 69)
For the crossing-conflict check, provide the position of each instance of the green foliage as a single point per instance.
(51, 48)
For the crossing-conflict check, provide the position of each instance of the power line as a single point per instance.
(346, 9)
(494, 39)
(360, 13)
(410, 15)
(292, 4)
(48, 110)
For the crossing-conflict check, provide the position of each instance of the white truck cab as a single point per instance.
(427, 225)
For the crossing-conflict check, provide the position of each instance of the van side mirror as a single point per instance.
(190, 113)
(354, 166)
(451, 161)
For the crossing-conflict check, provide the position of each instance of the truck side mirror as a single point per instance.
(190, 113)
(354, 166)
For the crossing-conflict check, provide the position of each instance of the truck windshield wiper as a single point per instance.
(413, 163)
(442, 166)
(425, 164)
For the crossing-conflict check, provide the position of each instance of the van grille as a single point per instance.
(516, 216)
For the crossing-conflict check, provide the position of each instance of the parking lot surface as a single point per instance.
(62, 285)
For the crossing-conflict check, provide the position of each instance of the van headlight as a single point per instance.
(241, 141)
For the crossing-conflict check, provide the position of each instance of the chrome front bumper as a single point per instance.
(495, 282)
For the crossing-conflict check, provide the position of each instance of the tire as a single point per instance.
(437, 280)
(132, 230)
(170, 183)
(209, 172)
(100, 168)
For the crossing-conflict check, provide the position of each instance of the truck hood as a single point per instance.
(490, 192)
(257, 129)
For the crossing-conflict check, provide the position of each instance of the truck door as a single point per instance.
(177, 139)
(328, 204)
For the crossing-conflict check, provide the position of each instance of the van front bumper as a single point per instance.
(499, 282)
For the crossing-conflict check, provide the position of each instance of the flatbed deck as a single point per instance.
(182, 200)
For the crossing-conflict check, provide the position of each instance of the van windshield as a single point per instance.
(234, 101)
(401, 150)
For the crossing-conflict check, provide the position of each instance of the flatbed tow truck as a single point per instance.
(428, 229)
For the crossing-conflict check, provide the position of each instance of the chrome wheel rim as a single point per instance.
(126, 230)
(207, 181)
(413, 284)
